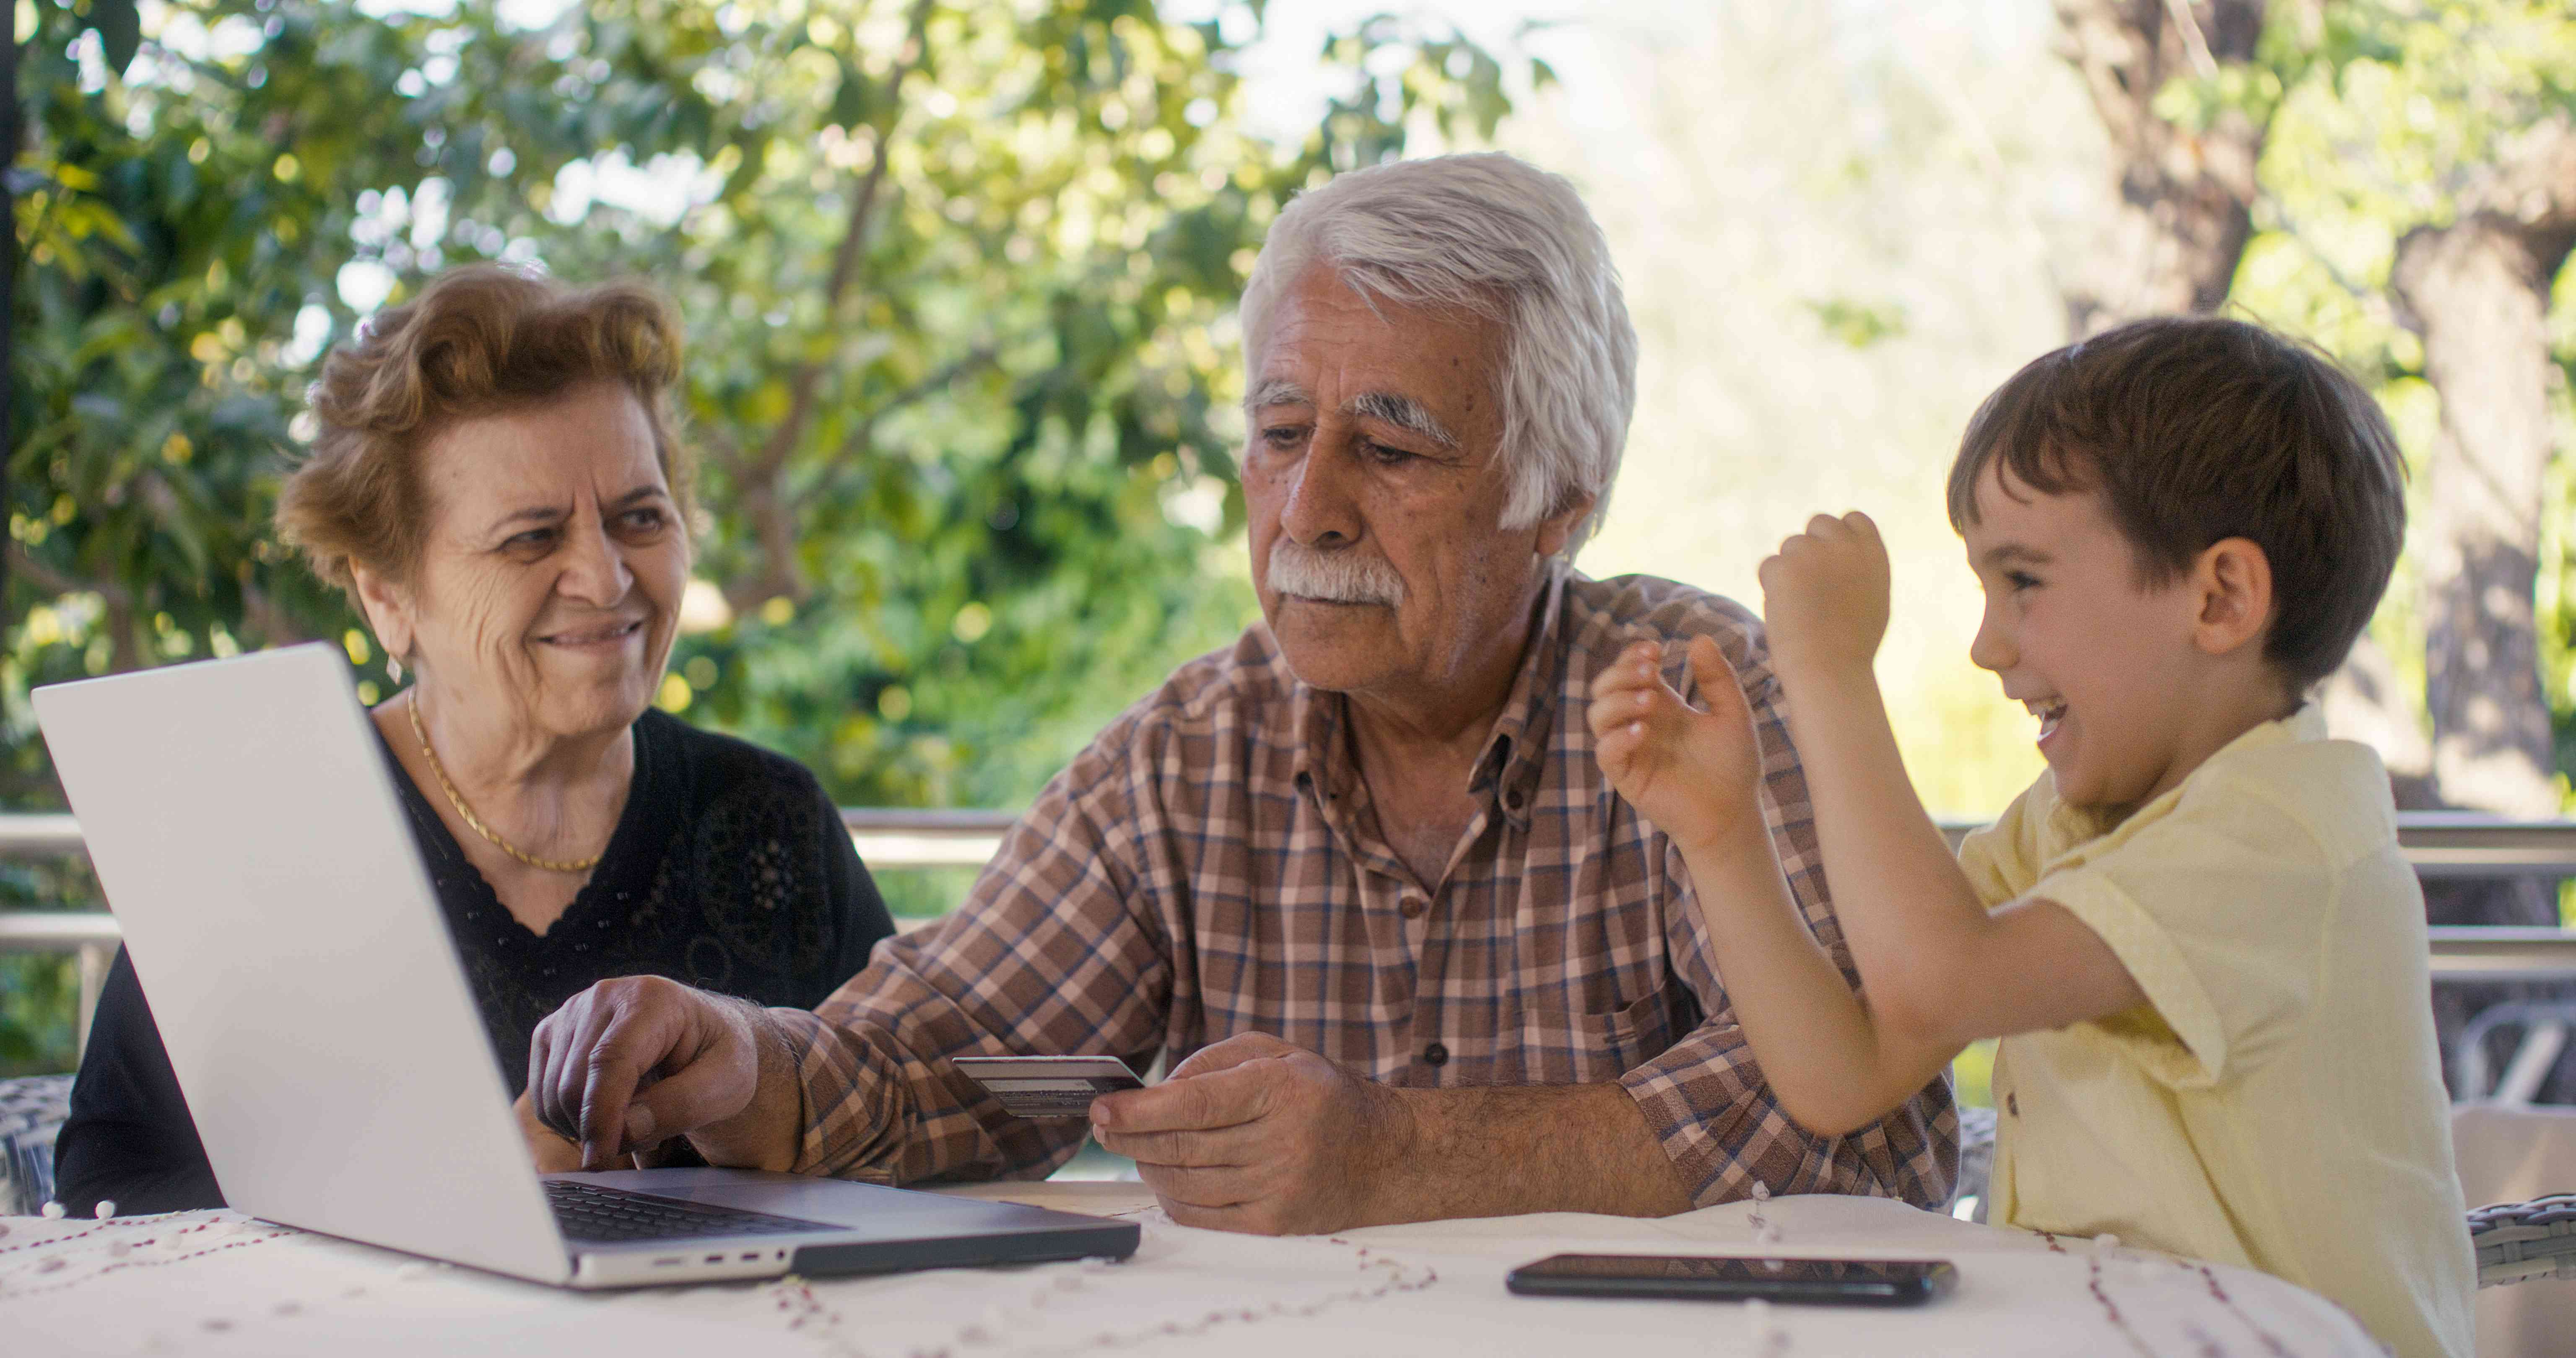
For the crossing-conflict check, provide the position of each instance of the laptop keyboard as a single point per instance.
(590, 1212)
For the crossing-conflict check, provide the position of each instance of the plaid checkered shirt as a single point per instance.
(1210, 865)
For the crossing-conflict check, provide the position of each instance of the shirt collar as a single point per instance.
(2074, 825)
(1508, 769)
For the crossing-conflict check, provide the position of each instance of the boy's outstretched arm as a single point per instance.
(1932, 960)
(1937, 970)
(1832, 1064)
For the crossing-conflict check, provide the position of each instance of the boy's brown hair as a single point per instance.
(2195, 430)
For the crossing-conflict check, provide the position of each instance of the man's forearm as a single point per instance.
(1503, 1152)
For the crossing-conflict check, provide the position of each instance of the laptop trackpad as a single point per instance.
(867, 1207)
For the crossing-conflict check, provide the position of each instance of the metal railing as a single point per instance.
(888, 840)
(2439, 844)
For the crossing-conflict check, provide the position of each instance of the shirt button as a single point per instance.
(1435, 1055)
(1414, 906)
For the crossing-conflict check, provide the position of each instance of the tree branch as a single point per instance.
(981, 356)
(2477, 290)
(2179, 214)
(46, 577)
(845, 258)
(2195, 44)
(261, 613)
(764, 502)
(125, 647)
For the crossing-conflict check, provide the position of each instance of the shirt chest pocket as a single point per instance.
(1560, 1047)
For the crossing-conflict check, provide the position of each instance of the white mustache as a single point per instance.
(1343, 577)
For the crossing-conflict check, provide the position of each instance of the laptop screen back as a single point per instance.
(248, 837)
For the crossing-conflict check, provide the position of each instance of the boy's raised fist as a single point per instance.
(1824, 598)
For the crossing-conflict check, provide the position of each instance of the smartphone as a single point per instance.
(1840, 1282)
(1047, 1086)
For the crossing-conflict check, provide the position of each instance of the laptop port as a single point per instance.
(715, 1258)
(755, 1254)
(666, 1263)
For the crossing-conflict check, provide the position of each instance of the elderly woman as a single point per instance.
(497, 484)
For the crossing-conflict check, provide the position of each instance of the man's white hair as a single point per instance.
(1498, 238)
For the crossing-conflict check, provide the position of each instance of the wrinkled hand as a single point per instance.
(1696, 774)
(1824, 599)
(551, 1154)
(1253, 1134)
(631, 1062)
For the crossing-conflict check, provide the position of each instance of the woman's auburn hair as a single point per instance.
(479, 340)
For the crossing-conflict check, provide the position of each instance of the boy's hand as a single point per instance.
(1694, 773)
(1824, 599)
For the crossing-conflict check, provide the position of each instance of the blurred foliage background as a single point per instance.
(959, 280)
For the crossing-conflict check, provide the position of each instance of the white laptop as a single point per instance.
(247, 833)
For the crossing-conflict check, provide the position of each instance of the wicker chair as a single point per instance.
(31, 1112)
(2521, 1242)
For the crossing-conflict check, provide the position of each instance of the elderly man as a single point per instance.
(1357, 876)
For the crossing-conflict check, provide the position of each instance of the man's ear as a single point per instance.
(2231, 585)
(388, 610)
(1557, 529)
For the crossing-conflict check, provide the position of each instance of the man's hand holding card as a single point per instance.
(1256, 1134)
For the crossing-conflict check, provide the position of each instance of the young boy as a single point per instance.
(2195, 934)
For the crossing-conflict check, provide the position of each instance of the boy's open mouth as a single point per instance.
(2048, 710)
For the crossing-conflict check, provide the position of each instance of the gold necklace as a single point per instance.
(476, 822)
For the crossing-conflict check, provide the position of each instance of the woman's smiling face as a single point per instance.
(2107, 664)
(548, 588)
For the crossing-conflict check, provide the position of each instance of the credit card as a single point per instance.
(1047, 1086)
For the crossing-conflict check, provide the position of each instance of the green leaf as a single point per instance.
(120, 31)
(854, 103)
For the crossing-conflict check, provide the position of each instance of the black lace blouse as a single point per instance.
(728, 870)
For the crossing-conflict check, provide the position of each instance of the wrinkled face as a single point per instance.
(1376, 494)
(2107, 665)
(549, 583)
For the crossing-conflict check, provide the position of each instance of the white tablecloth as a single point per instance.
(219, 1283)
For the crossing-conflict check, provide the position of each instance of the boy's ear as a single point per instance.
(2232, 583)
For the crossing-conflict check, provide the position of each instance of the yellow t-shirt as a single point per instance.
(2277, 1102)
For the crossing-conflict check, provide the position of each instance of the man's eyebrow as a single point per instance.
(2014, 552)
(1402, 411)
(1278, 391)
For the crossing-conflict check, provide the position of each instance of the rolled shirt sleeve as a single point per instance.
(2190, 905)
(1044, 957)
(2218, 899)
